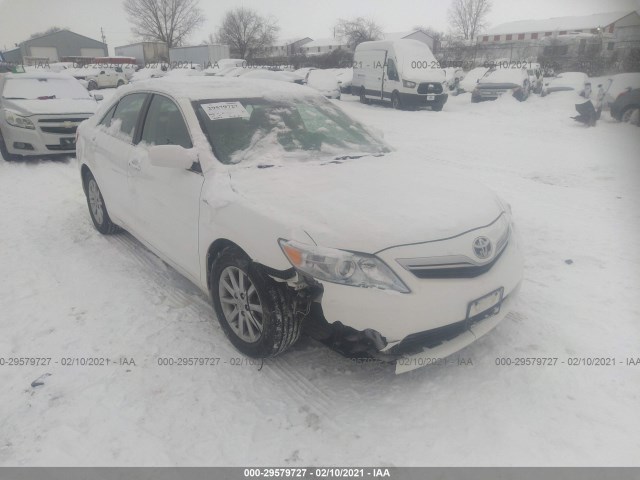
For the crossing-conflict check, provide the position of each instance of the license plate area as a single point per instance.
(431, 97)
(488, 304)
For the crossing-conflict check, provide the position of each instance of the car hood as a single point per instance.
(366, 204)
(60, 106)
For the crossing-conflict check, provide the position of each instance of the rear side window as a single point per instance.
(164, 124)
(125, 117)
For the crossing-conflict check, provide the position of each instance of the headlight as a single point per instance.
(408, 84)
(18, 121)
(340, 266)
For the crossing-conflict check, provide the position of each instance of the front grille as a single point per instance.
(70, 147)
(455, 270)
(425, 88)
(454, 266)
(57, 125)
(60, 130)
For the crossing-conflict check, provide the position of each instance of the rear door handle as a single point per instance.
(135, 164)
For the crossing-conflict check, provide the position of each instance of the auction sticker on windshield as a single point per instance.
(222, 110)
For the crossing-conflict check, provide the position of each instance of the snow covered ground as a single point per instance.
(68, 292)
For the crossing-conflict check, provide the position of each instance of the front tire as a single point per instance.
(395, 101)
(4, 152)
(97, 207)
(631, 115)
(120, 83)
(260, 316)
(92, 86)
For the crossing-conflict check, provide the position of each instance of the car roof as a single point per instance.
(205, 88)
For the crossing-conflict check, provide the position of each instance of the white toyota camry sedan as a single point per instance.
(291, 215)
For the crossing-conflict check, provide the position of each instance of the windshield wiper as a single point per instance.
(14, 98)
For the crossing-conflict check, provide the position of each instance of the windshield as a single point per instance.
(249, 130)
(43, 89)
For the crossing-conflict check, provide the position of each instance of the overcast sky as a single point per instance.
(312, 18)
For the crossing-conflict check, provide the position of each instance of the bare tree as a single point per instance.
(247, 33)
(358, 30)
(168, 21)
(47, 32)
(468, 17)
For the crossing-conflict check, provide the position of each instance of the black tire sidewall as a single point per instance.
(270, 339)
(107, 226)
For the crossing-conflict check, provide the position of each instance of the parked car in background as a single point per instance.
(470, 79)
(272, 75)
(618, 85)
(497, 82)
(39, 113)
(432, 264)
(453, 77)
(223, 64)
(577, 81)
(304, 72)
(402, 72)
(106, 78)
(345, 77)
(626, 107)
(324, 81)
(536, 80)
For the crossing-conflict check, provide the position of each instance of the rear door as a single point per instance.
(166, 201)
(112, 146)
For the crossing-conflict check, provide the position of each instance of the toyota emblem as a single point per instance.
(482, 247)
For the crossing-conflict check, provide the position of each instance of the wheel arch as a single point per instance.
(214, 250)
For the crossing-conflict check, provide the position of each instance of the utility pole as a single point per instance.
(104, 39)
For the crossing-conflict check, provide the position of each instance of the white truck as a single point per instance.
(403, 72)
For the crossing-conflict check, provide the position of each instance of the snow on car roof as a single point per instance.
(42, 74)
(202, 88)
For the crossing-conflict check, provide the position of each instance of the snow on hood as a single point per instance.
(574, 80)
(60, 106)
(366, 204)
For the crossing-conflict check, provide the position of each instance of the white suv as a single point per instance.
(291, 215)
(106, 78)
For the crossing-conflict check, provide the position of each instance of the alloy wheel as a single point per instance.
(241, 304)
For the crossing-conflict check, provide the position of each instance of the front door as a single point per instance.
(166, 201)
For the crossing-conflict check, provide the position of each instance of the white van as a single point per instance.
(403, 72)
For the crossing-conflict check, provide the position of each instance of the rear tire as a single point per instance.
(97, 207)
(120, 83)
(363, 99)
(437, 108)
(260, 317)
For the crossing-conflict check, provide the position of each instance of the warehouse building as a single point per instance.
(55, 47)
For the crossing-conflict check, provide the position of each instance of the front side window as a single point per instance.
(164, 124)
(392, 72)
(247, 130)
(106, 120)
(125, 117)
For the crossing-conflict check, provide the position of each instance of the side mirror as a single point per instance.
(98, 97)
(172, 156)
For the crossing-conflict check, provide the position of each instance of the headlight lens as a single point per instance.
(408, 84)
(339, 266)
(16, 120)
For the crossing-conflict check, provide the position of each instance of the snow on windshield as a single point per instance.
(504, 75)
(271, 132)
(44, 88)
